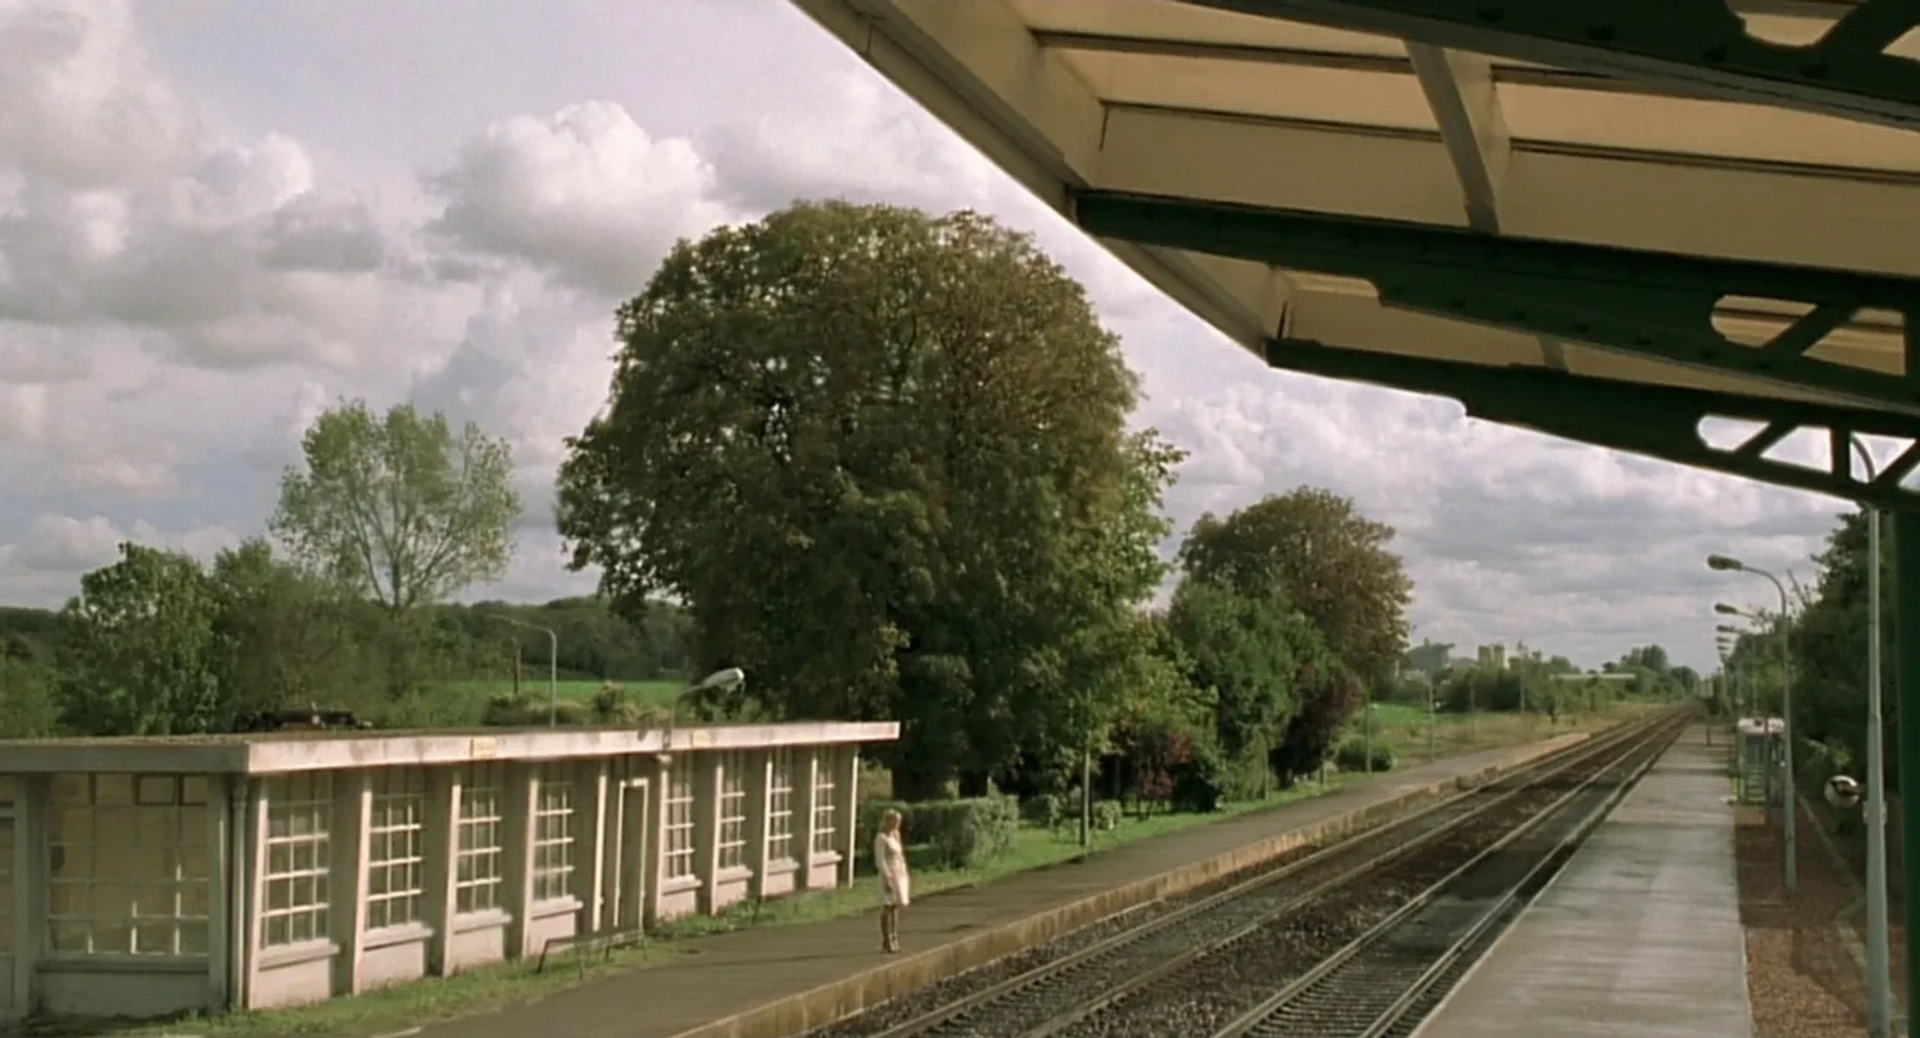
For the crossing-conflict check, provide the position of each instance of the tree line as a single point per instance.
(882, 460)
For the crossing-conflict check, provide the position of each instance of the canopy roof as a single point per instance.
(1186, 102)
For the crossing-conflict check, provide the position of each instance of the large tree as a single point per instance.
(399, 507)
(1238, 649)
(1331, 561)
(883, 457)
(285, 637)
(142, 658)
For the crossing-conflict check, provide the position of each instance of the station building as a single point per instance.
(142, 877)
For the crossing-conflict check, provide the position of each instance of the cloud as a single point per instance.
(585, 193)
(199, 253)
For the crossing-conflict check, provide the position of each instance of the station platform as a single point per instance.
(780, 980)
(1639, 935)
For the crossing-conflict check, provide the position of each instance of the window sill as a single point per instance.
(121, 963)
(826, 858)
(557, 906)
(732, 874)
(782, 867)
(388, 936)
(488, 919)
(679, 885)
(296, 954)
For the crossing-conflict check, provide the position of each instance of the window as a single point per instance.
(299, 819)
(823, 807)
(395, 872)
(733, 811)
(553, 834)
(127, 865)
(477, 860)
(679, 807)
(780, 807)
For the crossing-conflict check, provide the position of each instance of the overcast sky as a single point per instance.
(219, 216)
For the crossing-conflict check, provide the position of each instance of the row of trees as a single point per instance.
(884, 459)
(388, 516)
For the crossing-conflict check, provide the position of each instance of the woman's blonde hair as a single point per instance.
(890, 815)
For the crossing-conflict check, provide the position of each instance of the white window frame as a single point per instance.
(166, 914)
(396, 848)
(676, 838)
(823, 812)
(731, 810)
(479, 839)
(780, 806)
(295, 890)
(553, 833)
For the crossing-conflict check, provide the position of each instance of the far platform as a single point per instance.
(738, 972)
(1639, 935)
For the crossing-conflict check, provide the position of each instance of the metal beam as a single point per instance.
(1676, 203)
(1703, 43)
(1652, 304)
(1459, 89)
(1656, 421)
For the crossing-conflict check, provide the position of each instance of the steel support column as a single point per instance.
(1906, 596)
(1699, 43)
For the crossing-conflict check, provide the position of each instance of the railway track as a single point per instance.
(1207, 963)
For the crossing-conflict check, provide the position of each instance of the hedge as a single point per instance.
(1352, 756)
(961, 833)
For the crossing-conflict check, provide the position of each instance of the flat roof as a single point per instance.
(278, 752)
(1184, 101)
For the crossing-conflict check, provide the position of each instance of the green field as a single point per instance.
(1402, 727)
(535, 686)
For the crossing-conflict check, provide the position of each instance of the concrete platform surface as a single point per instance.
(1639, 935)
(731, 974)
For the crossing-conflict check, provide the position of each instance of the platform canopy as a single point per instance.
(1609, 229)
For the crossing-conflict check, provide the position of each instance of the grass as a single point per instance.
(535, 686)
(1402, 727)
(394, 1009)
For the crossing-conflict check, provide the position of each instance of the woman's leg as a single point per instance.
(886, 928)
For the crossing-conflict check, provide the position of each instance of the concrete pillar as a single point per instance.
(846, 794)
(654, 770)
(707, 772)
(31, 794)
(759, 765)
(221, 948)
(243, 839)
(519, 795)
(590, 839)
(440, 845)
(347, 882)
(259, 803)
(806, 768)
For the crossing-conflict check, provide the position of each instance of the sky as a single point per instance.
(219, 217)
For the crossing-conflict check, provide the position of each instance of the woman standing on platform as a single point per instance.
(890, 860)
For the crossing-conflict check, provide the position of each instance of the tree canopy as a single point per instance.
(397, 506)
(1331, 561)
(883, 456)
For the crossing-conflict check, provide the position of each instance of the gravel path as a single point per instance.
(1800, 978)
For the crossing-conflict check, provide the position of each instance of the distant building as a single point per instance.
(1493, 657)
(142, 877)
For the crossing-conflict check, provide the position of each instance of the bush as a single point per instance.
(1202, 782)
(1106, 815)
(961, 833)
(1048, 810)
(1352, 756)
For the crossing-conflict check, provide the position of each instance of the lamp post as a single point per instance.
(553, 664)
(1725, 564)
(1730, 638)
(728, 677)
(1879, 1000)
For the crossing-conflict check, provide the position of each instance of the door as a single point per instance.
(628, 845)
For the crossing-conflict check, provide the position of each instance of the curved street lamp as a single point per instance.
(726, 677)
(1723, 563)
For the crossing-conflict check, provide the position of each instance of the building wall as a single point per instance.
(115, 891)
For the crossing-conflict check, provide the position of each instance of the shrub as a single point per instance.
(1201, 783)
(1352, 756)
(961, 833)
(1106, 815)
(1047, 810)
